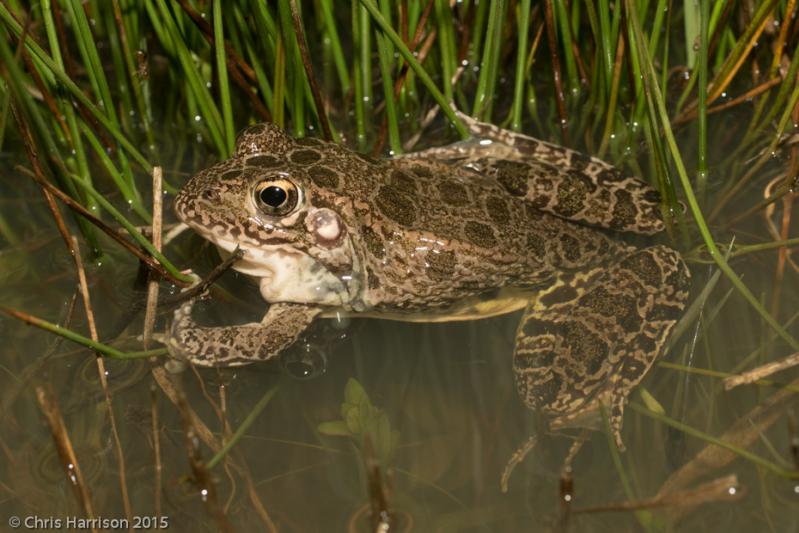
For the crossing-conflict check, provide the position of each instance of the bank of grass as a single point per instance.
(111, 88)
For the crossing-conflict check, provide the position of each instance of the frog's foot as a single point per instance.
(592, 337)
(242, 344)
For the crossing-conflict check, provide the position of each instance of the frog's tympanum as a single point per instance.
(478, 228)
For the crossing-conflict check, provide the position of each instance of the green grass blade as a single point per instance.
(652, 87)
(243, 427)
(221, 71)
(424, 77)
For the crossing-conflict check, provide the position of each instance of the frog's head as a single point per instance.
(280, 200)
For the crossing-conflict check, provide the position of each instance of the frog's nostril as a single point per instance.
(208, 194)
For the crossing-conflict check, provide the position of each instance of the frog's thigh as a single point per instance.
(241, 344)
(594, 335)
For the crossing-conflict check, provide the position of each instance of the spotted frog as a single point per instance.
(479, 228)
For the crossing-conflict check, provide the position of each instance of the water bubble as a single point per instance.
(204, 494)
(567, 497)
(197, 118)
(465, 63)
(732, 491)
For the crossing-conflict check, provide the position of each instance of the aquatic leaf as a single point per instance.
(362, 421)
(354, 392)
(337, 428)
(382, 434)
(353, 421)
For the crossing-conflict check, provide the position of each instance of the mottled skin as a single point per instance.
(473, 229)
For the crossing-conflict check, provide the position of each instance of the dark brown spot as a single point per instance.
(645, 267)
(263, 161)
(623, 308)
(323, 177)
(624, 212)
(422, 172)
(373, 242)
(480, 234)
(652, 196)
(372, 280)
(513, 176)
(321, 201)
(305, 157)
(584, 343)
(570, 247)
(663, 312)
(231, 174)
(579, 161)
(442, 264)
(610, 175)
(396, 205)
(536, 244)
(562, 294)
(403, 181)
(309, 141)
(498, 210)
(453, 193)
(573, 192)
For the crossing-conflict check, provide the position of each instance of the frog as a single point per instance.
(496, 224)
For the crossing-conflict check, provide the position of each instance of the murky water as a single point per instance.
(447, 389)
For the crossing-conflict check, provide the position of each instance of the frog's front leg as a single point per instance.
(591, 338)
(242, 344)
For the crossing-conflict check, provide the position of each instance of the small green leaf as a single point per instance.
(354, 392)
(353, 422)
(365, 414)
(339, 428)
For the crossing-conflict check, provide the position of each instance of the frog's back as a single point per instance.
(438, 232)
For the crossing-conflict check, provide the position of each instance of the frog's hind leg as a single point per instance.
(593, 336)
(241, 344)
(554, 179)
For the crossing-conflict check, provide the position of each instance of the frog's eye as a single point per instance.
(276, 196)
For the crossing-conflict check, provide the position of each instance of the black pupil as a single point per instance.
(273, 196)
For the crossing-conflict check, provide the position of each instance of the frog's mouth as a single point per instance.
(286, 274)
